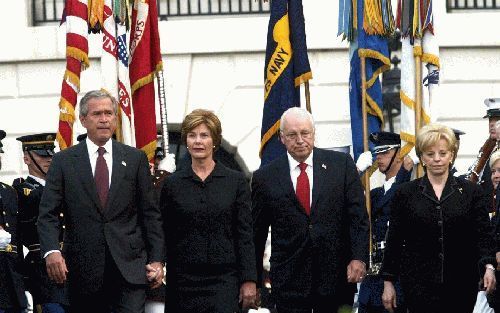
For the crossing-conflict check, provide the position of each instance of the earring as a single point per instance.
(214, 146)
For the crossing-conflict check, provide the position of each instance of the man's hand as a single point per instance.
(356, 271)
(365, 160)
(248, 295)
(489, 280)
(56, 267)
(154, 274)
(389, 296)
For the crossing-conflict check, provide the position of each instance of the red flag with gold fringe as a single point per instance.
(76, 60)
(145, 62)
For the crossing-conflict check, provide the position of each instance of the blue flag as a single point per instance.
(287, 66)
(376, 52)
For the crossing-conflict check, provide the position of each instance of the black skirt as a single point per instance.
(202, 288)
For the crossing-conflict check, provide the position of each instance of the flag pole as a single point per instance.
(366, 175)
(163, 111)
(308, 96)
(418, 98)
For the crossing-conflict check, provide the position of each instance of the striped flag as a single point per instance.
(286, 67)
(114, 71)
(416, 21)
(75, 18)
(145, 62)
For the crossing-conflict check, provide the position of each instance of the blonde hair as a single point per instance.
(494, 158)
(430, 134)
(198, 117)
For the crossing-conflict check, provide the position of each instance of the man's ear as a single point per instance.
(27, 159)
(280, 134)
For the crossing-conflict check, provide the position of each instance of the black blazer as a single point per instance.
(438, 241)
(130, 224)
(310, 251)
(208, 222)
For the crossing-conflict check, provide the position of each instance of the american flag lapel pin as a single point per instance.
(123, 163)
(323, 166)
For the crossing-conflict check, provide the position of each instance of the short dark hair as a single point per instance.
(93, 94)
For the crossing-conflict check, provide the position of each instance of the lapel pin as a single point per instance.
(460, 189)
(123, 163)
(323, 166)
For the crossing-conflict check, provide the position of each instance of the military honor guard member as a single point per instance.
(38, 149)
(12, 297)
(386, 148)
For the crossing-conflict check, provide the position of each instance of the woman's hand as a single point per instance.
(489, 280)
(389, 296)
(248, 295)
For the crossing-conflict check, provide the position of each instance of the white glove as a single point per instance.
(413, 156)
(168, 163)
(4, 238)
(364, 161)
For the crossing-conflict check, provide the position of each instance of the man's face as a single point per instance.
(491, 123)
(298, 137)
(100, 120)
(42, 161)
(384, 159)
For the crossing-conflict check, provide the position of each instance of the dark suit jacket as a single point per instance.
(208, 223)
(310, 253)
(130, 225)
(11, 278)
(436, 241)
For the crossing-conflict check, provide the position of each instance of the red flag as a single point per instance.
(145, 62)
(76, 60)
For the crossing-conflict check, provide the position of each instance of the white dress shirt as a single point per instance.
(295, 172)
(108, 155)
(388, 183)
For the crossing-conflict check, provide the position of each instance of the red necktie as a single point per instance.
(302, 189)
(101, 176)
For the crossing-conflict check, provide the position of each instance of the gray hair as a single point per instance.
(298, 112)
(96, 94)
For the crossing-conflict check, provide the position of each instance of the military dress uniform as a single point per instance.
(51, 297)
(372, 286)
(37, 281)
(12, 297)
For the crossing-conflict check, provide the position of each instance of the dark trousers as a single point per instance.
(114, 295)
(316, 304)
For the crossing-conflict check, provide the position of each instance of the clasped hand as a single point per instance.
(154, 274)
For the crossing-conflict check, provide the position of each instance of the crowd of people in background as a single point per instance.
(102, 234)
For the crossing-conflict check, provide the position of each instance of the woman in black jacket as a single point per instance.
(208, 227)
(439, 242)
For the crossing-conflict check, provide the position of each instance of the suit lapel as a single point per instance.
(117, 172)
(285, 182)
(319, 169)
(85, 171)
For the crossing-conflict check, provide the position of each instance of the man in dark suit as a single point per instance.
(113, 242)
(38, 149)
(313, 200)
(12, 297)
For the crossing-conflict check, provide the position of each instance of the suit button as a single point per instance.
(438, 207)
(310, 226)
(440, 223)
(441, 256)
(440, 239)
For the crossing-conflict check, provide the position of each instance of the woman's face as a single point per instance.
(495, 173)
(200, 143)
(437, 158)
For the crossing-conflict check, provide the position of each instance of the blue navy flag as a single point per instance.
(287, 66)
(376, 51)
